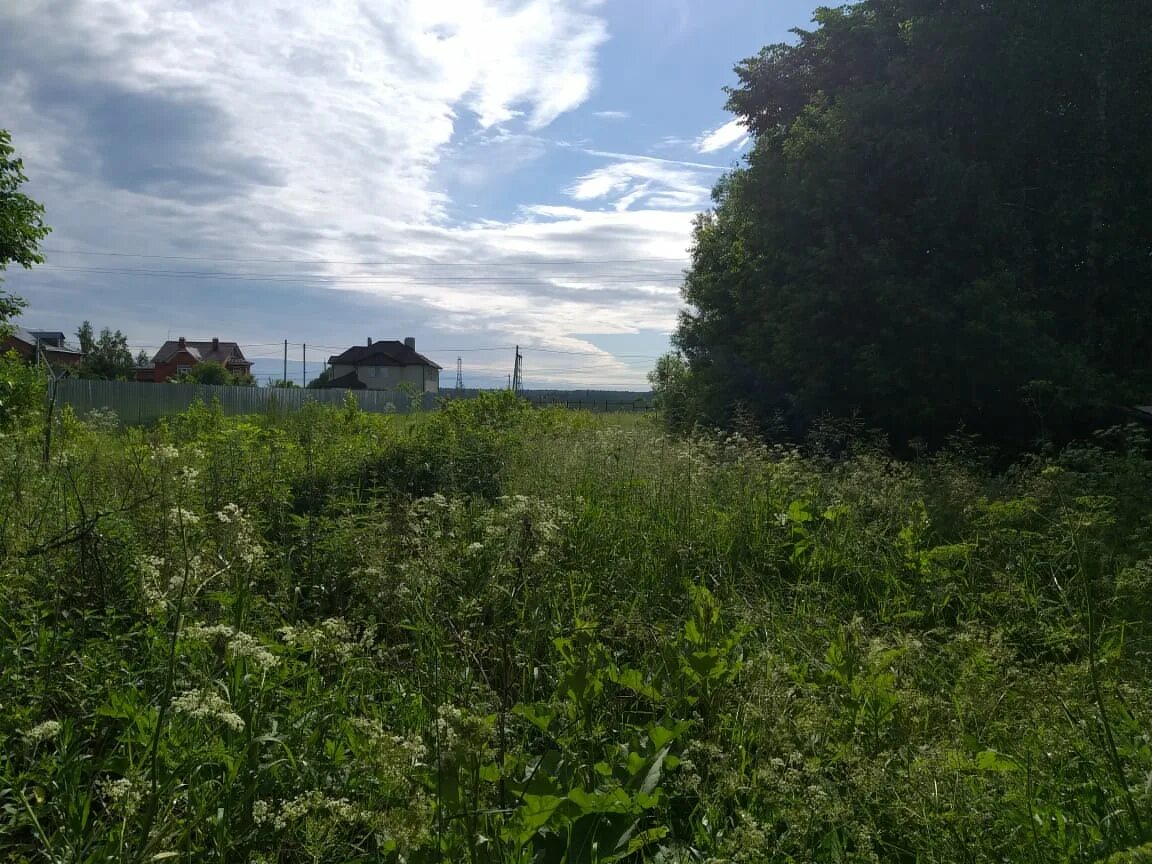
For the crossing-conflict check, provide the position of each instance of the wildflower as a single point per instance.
(149, 566)
(121, 794)
(230, 513)
(41, 732)
(206, 632)
(315, 801)
(184, 516)
(238, 645)
(205, 705)
(162, 452)
(243, 646)
(261, 812)
(245, 543)
(188, 473)
(332, 637)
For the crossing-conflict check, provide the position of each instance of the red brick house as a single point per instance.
(178, 356)
(53, 347)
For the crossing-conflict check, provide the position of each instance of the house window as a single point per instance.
(183, 370)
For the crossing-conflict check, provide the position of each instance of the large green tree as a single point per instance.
(945, 218)
(106, 356)
(21, 223)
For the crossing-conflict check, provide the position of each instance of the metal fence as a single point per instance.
(137, 402)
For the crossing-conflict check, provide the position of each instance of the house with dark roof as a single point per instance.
(384, 365)
(51, 345)
(177, 356)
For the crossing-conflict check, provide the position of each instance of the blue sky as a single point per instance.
(473, 173)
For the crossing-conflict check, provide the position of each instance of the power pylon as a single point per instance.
(518, 372)
(459, 375)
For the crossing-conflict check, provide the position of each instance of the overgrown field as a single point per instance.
(493, 634)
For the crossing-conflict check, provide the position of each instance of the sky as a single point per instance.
(475, 174)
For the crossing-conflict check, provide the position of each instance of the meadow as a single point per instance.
(492, 633)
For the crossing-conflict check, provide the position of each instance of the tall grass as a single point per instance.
(494, 634)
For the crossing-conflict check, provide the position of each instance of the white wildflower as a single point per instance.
(230, 513)
(184, 516)
(206, 633)
(154, 595)
(315, 801)
(205, 705)
(331, 638)
(121, 794)
(261, 812)
(244, 646)
(162, 452)
(41, 732)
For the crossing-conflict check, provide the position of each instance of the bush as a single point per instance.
(22, 389)
(490, 633)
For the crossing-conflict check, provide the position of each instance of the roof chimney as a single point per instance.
(215, 343)
(182, 343)
(369, 341)
(410, 342)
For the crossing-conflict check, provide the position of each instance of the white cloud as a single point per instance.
(324, 131)
(611, 115)
(608, 154)
(666, 186)
(722, 137)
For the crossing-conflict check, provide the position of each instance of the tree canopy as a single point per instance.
(107, 356)
(213, 373)
(21, 223)
(322, 379)
(945, 219)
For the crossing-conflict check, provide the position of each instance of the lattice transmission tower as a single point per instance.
(518, 372)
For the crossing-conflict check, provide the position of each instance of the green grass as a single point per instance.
(493, 634)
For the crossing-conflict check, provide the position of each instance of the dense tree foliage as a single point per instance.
(944, 220)
(216, 374)
(107, 356)
(21, 223)
(321, 379)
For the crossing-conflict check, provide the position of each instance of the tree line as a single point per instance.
(944, 221)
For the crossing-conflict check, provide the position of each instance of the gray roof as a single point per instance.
(52, 340)
(349, 381)
(387, 352)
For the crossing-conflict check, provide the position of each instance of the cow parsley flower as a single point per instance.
(184, 515)
(121, 794)
(206, 705)
(42, 732)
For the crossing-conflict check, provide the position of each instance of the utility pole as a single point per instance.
(285, 378)
(459, 375)
(304, 365)
(518, 372)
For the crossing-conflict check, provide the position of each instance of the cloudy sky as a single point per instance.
(473, 173)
